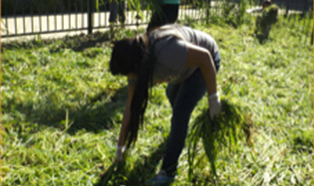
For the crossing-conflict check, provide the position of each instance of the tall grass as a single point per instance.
(224, 131)
(62, 109)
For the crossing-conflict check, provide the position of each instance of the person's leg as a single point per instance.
(158, 17)
(164, 14)
(114, 6)
(113, 11)
(172, 92)
(183, 99)
(122, 12)
(171, 12)
(183, 103)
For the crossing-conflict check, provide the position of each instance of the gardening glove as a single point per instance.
(214, 105)
(119, 154)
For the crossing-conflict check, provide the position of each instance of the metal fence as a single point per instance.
(32, 17)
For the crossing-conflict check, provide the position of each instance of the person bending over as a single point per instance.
(188, 60)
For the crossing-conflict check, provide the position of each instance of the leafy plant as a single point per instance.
(223, 131)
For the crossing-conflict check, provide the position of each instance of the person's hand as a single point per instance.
(214, 105)
(120, 153)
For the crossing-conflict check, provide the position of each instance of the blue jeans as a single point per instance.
(183, 98)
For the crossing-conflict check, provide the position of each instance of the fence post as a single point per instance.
(208, 9)
(90, 16)
(287, 8)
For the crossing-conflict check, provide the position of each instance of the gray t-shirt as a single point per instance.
(171, 51)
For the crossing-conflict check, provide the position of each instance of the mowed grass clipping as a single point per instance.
(62, 110)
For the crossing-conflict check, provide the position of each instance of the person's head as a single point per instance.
(126, 57)
(266, 3)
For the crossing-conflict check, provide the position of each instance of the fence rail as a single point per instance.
(33, 17)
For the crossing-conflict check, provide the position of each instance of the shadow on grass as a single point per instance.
(77, 43)
(302, 142)
(96, 116)
(144, 169)
(99, 113)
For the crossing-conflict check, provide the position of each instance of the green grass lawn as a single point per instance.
(62, 109)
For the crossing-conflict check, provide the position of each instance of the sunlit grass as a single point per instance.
(62, 109)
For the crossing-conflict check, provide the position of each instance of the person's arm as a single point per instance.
(200, 57)
(126, 117)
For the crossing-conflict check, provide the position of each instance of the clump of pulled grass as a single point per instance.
(224, 131)
(113, 175)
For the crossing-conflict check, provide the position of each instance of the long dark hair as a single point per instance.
(141, 94)
(126, 57)
(131, 55)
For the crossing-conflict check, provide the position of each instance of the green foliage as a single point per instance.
(62, 110)
(235, 14)
(228, 12)
(303, 141)
(224, 131)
